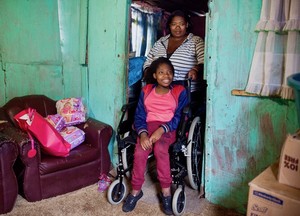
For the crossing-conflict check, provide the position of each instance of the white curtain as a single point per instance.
(276, 54)
(145, 23)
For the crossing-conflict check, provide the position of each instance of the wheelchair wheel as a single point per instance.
(194, 151)
(178, 201)
(116, 192)
(127, 159)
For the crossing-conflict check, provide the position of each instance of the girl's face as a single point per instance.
(178, 26)
(164, 75)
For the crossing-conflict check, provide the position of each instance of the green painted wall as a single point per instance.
(42, 51)
(108, 56)
(244, 134)
(40, 48)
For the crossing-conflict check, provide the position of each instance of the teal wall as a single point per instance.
(108, 57)
(244, 135)
(42, 51)
(40, 48)
(43, 46)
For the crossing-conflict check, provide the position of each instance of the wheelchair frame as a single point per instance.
(186, 156)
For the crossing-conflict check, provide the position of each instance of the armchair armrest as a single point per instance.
(26, 166)
(97, 133)
(24, 145)
(2, 114)
(6, 140)
(8, 181)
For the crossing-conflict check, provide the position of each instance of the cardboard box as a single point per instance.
(267, 197)
(289, 170)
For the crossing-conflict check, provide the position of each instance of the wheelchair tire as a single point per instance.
(116, 192)
(194, 163)
(178, 201)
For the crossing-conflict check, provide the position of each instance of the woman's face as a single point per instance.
(178, 26)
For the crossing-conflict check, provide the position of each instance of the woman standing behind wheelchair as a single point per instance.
(185, 50)
(156, 119)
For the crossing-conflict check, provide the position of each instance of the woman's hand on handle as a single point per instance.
(193, 74)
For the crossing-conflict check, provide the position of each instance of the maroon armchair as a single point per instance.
(45, 176)
(8, 181)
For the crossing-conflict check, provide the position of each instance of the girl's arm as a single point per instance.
(140, 116)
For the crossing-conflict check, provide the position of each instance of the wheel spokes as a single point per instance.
(196, 154)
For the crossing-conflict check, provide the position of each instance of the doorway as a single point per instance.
(148, 23)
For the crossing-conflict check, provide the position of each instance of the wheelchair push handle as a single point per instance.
(189, 88)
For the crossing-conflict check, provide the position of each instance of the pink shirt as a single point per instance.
(160, 107)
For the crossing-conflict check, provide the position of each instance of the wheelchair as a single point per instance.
(186, 155)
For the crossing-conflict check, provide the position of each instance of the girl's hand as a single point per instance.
(145, 141)
(157, 134)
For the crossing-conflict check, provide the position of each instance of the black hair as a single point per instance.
(179, 13)
(153, 67)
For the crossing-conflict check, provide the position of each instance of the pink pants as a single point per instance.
(161, 153)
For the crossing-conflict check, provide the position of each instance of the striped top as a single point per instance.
(186, 56)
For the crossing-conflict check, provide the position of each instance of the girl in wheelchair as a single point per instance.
(156, 119)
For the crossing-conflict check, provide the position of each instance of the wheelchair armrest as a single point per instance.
(126, 125)
(131, 139)
(129, 106)
(186, 113)
(186, 109)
